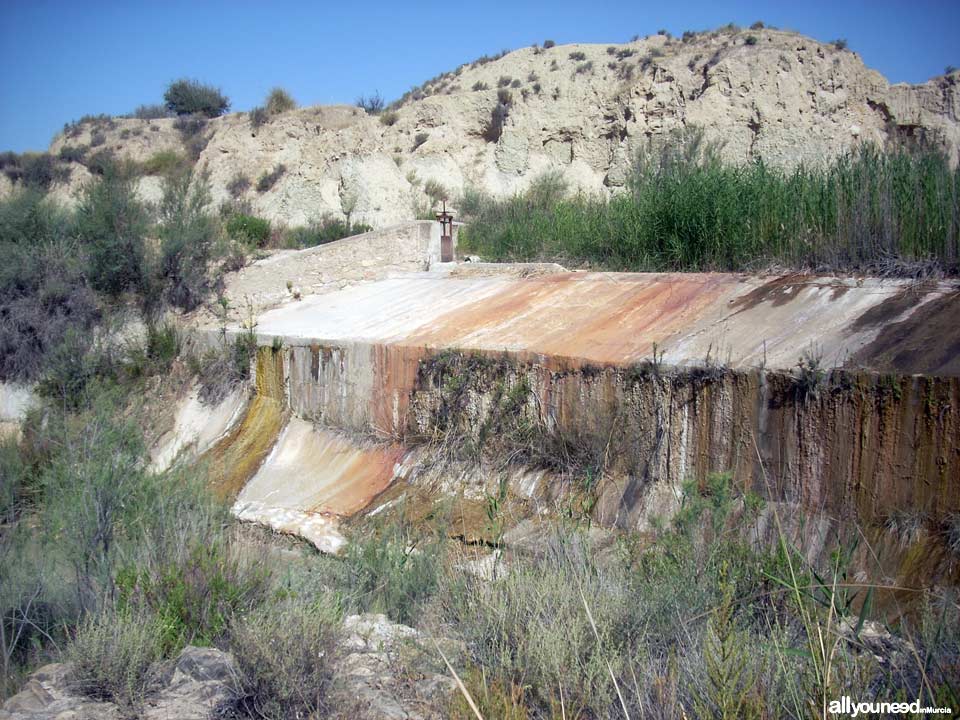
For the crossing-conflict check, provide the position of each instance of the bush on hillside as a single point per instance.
(35, 170)
(111, 224)
(187, 234)
(238, 185)
(373, 105)
(44, 294)
(151, 112)
(253, 231)
(191, 97)
(268, 179)
(280, 101)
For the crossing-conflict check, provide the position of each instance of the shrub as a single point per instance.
(151, 112)
(191, 97)
(40, 170)
(258, 117)
(758, 25)
(99, 162)
(373, 105)
(504, 97)
(251, 230)
(751, 40)
(584, 68)
(393, 569)
(949, 70)
(44, 293)
(435, 191)
(111, 224)
(578, 56)
(280, 101)
(286, 654)
(839, 43)
(73, 153)
(478, 86)
(324, 231)
(163, 162)
(419, 139)
(389, 118)
(516, 84)
(547, 44)
(193, 596)
(238, 185)
(504, 81)
(111, 655)
(268, 179)
(187, 234)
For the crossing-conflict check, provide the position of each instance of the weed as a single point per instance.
(268, 179)
(238, 184)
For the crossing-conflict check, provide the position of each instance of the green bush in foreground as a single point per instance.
(882, 212)
(287, 655)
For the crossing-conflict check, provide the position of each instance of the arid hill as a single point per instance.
(497, 123)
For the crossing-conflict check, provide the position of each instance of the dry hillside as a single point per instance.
(580, 109)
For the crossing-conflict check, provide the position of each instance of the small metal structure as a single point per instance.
(446, 234)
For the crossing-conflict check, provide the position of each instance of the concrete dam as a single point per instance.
(836, 400)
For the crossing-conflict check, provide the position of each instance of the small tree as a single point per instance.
(373, 105)
(111, 224)
(189, 97)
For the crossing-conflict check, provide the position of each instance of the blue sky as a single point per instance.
(64, 59)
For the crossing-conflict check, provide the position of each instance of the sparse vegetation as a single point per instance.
(238, 184)
(280, 101)
(268, 179)
(151, 112)
(34, 170)
(389, 118)
(478, 86)
(578, 56)
(547, 44)
(839, 43)
(163, 162)
(325, 230)
(373, 105)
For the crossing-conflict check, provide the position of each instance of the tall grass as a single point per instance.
(893, 211)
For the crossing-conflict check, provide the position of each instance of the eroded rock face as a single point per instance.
(372, 682)
(765, 94)
(197, 686)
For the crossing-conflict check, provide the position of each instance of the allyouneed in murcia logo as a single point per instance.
(846, 706)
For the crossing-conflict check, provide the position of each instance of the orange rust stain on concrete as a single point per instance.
(395, 373)
(596, 317)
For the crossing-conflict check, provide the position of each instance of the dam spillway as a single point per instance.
(839, 396)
